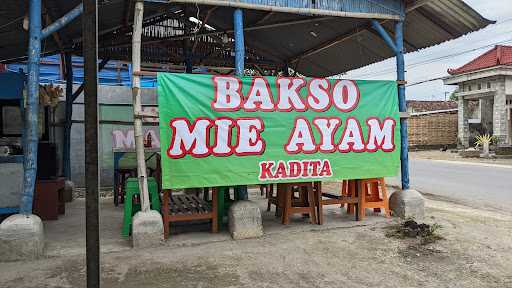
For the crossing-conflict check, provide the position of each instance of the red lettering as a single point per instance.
(189, 139)
(288, 94)
(266, 170)
(301, 139)
(352, 137)
(380, 135)
(318, 97)
(295, 169)
(315, 164)
(280, 170)
(227, 93)
(259, 96)
(325, 171)
(327, 127)
(305, 168)
(345, 95)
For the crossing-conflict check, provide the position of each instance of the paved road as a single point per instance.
(473, 184)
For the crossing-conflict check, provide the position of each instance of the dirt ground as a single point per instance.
(449, 156)
(476, 252)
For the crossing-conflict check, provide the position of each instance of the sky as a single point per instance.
(423, 64)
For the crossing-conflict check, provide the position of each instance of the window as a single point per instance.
(488, 85)
(11, 122)
(469, 87)
(479, 86)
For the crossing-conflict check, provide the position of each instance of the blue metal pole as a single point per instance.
(238, 23)
(385, 36)
(238, 27)
(32, 108)
(400, 75)
(68, 116)
(62, 21)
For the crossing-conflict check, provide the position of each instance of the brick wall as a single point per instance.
(433, 130)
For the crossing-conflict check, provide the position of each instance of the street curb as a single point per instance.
(470, 163)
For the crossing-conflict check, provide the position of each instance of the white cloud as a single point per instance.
(423, 65)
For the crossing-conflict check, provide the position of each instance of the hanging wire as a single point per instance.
(435, 59)
(12, 22)
(197, 22)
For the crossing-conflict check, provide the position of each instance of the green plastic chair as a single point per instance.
(224, 202)
(131, 189)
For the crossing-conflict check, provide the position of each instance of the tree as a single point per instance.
(453, 97)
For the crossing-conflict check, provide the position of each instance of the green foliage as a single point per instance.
(483, 139)
(453, 97)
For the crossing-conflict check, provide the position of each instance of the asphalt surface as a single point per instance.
(480, 185)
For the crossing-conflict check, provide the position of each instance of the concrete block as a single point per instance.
(504, 150)
(245, 220)
(69, 186)
(147, 229)
(407, 203)
(12, 184)
(21, 238)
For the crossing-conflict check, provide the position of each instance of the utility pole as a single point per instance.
(90, 52)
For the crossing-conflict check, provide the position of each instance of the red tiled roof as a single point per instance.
(426, 106)
(499, 55)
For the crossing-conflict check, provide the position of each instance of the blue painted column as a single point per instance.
(400, 75)
(32, 107)
(238, 27)
(63, 21)
(238, 23)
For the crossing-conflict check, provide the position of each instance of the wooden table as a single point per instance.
(334, 199)
(49, 198)
(304, 204)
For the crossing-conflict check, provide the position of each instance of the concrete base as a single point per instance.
(147, 229)
(488, 156)
(21, 238)
(245, 220)
(470, 153)
(407, 204)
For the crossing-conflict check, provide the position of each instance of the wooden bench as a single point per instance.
(186, 207)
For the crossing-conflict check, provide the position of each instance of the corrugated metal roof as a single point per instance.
(314, 46)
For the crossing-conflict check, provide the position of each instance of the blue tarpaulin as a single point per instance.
(114, 73)
(11, 85)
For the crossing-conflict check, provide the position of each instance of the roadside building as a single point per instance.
(484, 95)
(432, 124)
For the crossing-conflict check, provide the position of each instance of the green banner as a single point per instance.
(225, 130)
